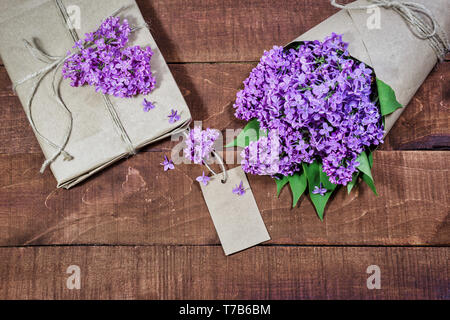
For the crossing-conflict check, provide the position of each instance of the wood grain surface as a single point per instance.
(136, 202)
(138, 232)
(210, 90)
(199, 272)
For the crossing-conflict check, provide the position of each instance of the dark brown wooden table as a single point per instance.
(137, 232)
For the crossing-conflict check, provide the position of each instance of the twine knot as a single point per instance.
(420, 20)
(53, 63)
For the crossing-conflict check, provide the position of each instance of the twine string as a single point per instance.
(221, 164)
(53, 65)
(420, 21)
(216, 155)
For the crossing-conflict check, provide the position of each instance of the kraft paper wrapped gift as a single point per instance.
(399, 58)
(105, 129)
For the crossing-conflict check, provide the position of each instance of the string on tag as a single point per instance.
(224, 179)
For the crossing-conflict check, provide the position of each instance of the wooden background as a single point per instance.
(137, 232)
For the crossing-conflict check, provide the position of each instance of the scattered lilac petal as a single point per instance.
(203, 179)
(239, 189)
(319, 190)
(148, 105)
(168, 164)
(174, 116)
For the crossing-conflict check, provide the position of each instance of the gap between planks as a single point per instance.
(269, 245)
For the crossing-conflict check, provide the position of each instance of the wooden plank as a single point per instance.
(210, 90)
(209, 31)
(229, 30)
(425, 124)
(178, 272)
(136, 202)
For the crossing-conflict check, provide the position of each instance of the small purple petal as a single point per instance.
(319, 190)
(148, 105)
(239, 189)
(203, 179)
(174, 116)
(168, 164)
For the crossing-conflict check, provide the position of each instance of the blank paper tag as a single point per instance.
(237, 219)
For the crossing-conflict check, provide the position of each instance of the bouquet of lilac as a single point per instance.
(315, 116)
(200, 144)
(103, 61)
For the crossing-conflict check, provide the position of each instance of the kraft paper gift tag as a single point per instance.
(101, 133)
(237, 219)
(398, 57)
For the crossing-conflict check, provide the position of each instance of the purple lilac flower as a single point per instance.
(239, 189)
(148, 105)
(102, 61)
(319, 190)
(200, 144)
(174, 116)
(203, 179)
(319, 101)
(168, 164)
(262, 157)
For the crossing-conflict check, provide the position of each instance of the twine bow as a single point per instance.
(420, 20)
(53, 64)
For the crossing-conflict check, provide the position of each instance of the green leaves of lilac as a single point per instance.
(388, 101)
(352, 183)
(388, 104)
(315, 176)
(251, 132)
(311, 177)
(364, 171)
(280, 184)
(298, 186)
(365, 165)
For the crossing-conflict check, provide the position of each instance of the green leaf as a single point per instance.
(313, 175)
(281, 183)
(352, 184)
(370, 183)
(364, 167)
(325, 180)
(251, 132)
(298, 186)
(388, 101)
(294, 45)
(370, 157)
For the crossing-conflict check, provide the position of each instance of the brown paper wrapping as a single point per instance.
(95, 142)
(399, 58)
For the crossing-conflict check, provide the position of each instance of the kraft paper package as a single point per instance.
(105, 128)
(399, 58)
